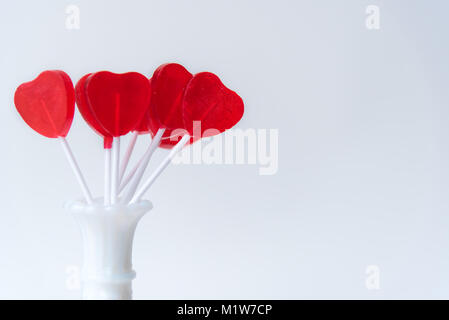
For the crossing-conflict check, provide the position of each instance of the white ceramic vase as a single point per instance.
(107, 234)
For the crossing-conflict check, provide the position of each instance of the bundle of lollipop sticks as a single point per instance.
(174, 106)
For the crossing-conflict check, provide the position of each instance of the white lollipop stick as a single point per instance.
(141, 169)
(128, 178)
(131, 173)
(115, 169)
(127, 155)
(107, 177)
(76, 169)
(161, 168)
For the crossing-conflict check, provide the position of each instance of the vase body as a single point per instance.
(107, 235)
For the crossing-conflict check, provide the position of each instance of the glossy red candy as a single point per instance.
(207, 100)
(167, 87)
(86, 112)
(47, 103)
(144, 125)
(167, 91)
(118, 101)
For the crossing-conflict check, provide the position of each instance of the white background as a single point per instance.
(363, 174)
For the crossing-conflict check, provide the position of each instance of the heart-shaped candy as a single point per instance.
(206, 99)
(86, 111)
(47, 103)
(167, 91)
(118, 101)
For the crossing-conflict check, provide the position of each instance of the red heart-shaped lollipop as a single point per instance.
(168, 85)
(47, 103)
(167, 91)
(118, 101)
(86, 111)
(206, 99)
